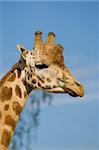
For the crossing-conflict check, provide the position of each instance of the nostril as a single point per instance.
(77, 84)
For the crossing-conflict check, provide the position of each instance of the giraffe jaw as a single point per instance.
(73, 88)
(71, 92)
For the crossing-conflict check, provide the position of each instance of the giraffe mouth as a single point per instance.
(72, 93)
(58, 90)
(75, 91)
(61, 90)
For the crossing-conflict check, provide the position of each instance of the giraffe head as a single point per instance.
(45, 68)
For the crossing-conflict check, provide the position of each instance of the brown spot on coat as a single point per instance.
(28, 87)
(19, 72)
(48, 80)
(17, 108)
(0, 114)
(6, 107)
(18, 91)
(39, 84)
(10, 121)
(25, 94)
(28, 77)
(34, 81)
(31, 70)
(6, 137)
(5, 93)
(48, 87)
(41, 79)
(12, 78)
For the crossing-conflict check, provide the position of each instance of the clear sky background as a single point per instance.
(71, 123)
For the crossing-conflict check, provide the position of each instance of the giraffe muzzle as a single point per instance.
(75, 89)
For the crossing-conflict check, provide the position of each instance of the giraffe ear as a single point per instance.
(22, 51)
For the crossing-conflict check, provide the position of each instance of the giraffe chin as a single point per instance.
(75, 93)
(72, 93)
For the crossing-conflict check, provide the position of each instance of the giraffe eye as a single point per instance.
(41, 66)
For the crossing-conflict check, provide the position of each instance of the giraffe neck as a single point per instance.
(13, 95)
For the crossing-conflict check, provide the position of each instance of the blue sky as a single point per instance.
(70, 122)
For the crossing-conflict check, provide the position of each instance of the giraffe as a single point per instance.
(40, 68)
